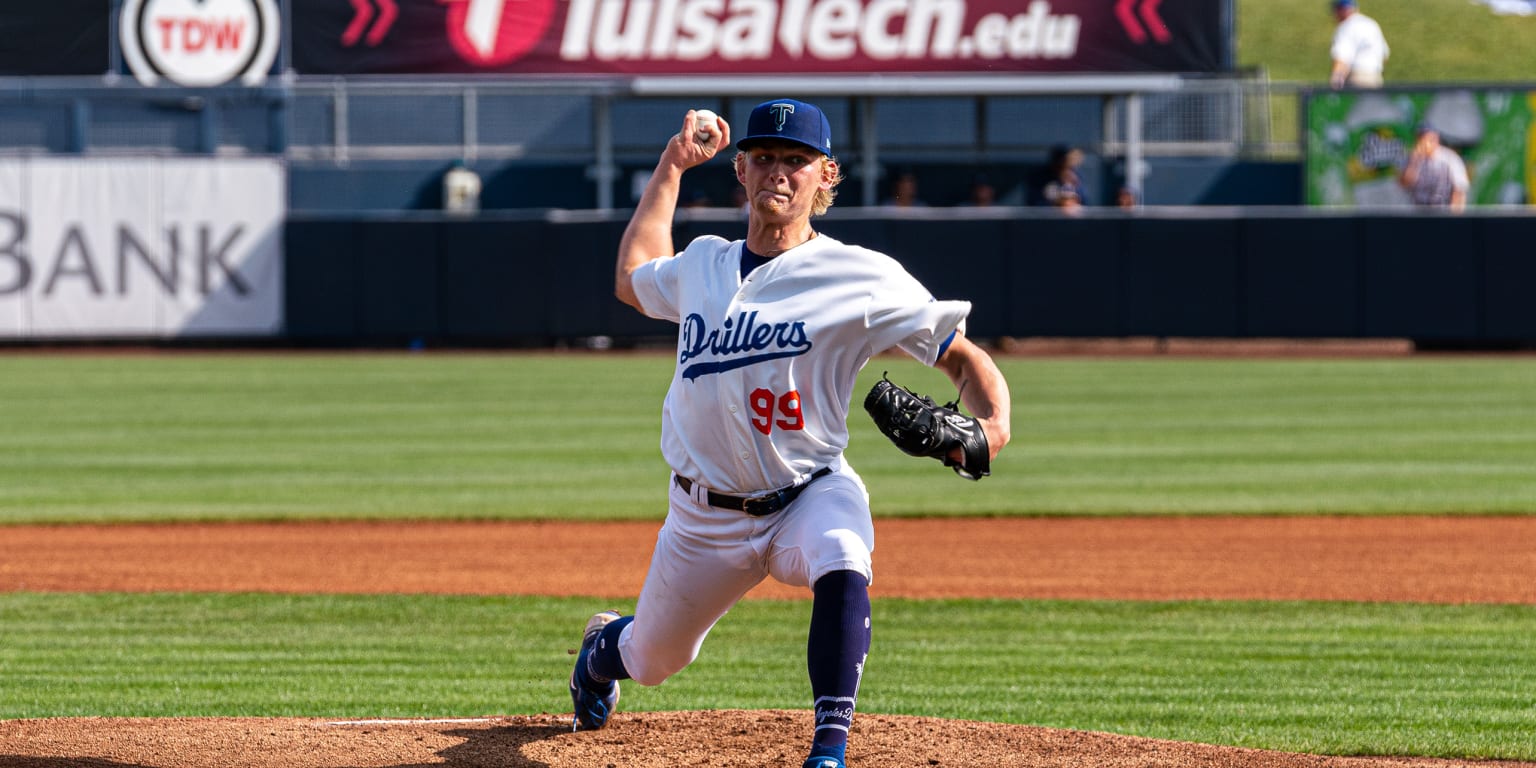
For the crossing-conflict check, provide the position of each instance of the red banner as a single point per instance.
(758, 36)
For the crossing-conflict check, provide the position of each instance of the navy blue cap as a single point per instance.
(789, 120)
(1344, 3)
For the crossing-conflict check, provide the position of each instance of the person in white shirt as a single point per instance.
(1359, 48)
(772, 332)
(1435, 175)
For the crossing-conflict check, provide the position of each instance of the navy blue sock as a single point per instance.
(835, 653)
(605, 664)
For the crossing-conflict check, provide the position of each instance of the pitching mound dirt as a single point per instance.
(724, 739)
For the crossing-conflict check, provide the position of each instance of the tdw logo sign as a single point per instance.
(200, 42)
(491, 32)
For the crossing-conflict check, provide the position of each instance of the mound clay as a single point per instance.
(1417, 559)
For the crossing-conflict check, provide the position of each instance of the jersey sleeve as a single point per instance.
(656, 285)
(903, 314)
(659, 283)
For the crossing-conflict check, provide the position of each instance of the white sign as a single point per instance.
(200, 43)
(133, 248)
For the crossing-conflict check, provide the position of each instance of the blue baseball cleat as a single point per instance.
(823, 756)
(594, 702)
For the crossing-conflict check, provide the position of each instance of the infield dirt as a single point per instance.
(1414, 559)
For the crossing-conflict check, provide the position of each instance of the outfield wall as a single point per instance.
(546, 277)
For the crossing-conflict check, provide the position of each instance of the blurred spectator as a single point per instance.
(1062, 185)
(1435, 175)
(983, 194)
(904, 192)
(699, 199)
(1359, 50)
(1126, 198)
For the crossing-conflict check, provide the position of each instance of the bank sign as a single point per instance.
(758, 36)
(140, 248)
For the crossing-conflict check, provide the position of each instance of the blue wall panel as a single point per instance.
(1509, 281)
(580, 291)
(320, 280)
(1437, 279)
(397, 268)
(1420, 277)
(962, 261)
(1301, 278)
(1063, 278)
(494, 281)
(1180, 278)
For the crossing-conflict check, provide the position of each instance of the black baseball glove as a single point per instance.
(920, 427)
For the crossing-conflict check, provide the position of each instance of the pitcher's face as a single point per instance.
(782, 178)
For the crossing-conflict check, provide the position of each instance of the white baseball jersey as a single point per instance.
(766, 366)
(1358, 40)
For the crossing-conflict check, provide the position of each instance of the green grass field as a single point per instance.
(1435, 42)
(257, 436)
(208, 437)
(1432, 41)
(1326, 678)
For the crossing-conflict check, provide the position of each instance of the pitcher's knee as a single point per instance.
(848, 545)
(840, 550)
(653, 667)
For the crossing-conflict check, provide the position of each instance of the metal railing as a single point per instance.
(602, 122)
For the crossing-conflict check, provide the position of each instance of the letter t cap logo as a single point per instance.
(781, 112)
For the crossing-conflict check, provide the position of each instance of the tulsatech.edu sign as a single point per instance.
(200, 43)
(345, 37)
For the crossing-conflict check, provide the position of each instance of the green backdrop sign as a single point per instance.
(1358, 141)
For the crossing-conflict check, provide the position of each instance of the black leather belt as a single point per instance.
(756, 506)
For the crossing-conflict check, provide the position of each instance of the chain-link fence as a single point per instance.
(342, 120)
(605, 126)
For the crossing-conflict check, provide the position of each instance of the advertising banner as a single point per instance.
(650, 37)
(202, 43)
(1357, 143)
(59, 37)
(135, 248)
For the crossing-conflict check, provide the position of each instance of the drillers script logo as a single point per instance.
(200, 43)
(739, 342)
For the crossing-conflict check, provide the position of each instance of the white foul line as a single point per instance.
(405, 721)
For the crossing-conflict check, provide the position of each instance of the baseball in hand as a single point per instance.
(701, 118)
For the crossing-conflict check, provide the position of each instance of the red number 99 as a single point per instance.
(763, 402)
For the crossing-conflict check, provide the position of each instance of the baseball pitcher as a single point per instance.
(772, 333)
